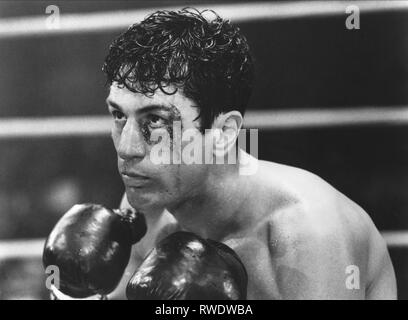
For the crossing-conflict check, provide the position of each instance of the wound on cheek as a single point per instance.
(175, 116)
(147, 134)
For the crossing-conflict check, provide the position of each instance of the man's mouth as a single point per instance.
(134, 180)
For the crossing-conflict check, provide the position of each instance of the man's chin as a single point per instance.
(142, 201)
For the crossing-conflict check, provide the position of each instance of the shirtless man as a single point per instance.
(298, 237)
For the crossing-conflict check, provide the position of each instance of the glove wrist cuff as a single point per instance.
(56, 294)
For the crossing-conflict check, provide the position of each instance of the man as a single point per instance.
(298, 237)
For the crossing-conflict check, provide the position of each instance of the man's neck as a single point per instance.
(219, 208)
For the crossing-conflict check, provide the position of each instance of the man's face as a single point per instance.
(138, 118)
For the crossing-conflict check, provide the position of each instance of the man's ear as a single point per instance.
(228, 126)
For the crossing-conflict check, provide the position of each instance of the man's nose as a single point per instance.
(131, 144)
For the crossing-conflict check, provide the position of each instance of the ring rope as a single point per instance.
(116, 20)
(81, 126)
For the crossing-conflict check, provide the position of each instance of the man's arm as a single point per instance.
(318, 266)
(383, 285)
(325, 253)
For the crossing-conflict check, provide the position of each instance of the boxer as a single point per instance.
(298, 237)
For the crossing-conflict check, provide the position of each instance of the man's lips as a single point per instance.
(135, 180)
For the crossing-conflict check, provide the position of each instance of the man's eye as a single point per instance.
(156, 121)
(117, 115)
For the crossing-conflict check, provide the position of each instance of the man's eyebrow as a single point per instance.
(153, 107)
(147, 108)
(113, 104)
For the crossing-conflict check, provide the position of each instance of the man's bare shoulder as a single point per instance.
(301, 245)
(311, 205)
(317, 223)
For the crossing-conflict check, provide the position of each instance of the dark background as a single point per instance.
(301, 63)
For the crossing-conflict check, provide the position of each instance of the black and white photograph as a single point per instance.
(214, 151)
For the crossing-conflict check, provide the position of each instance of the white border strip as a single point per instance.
(82, 126)
(33, 248)
(116, 20)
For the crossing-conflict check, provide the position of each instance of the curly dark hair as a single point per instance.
(208, 59)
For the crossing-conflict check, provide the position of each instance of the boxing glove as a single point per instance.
(91, 247)
(184, 266)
